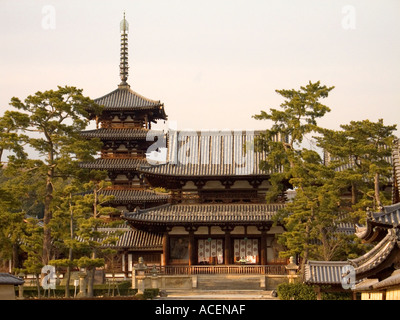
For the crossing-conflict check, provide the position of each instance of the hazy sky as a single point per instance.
(213, 64)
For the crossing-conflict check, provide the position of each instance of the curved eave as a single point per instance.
(379, 222)
(372, 232)
(378, 258)
(158, 107)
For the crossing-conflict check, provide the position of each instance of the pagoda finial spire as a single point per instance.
(123, 67)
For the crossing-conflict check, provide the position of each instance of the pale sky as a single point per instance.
(213, 64)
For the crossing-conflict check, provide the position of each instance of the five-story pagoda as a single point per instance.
(124, 128)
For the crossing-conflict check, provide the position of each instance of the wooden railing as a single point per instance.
(221, 269)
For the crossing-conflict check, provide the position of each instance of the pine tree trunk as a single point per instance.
(93, 270)
(71, 226)
(46, 219)
(306, 251)
(47, 202)
(376, 187)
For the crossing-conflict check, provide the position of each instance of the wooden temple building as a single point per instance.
(212, 217)
(376, 273)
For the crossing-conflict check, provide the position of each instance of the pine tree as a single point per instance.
(298, 117)
(57, 117)
(360, 154)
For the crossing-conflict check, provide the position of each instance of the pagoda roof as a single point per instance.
(210, 154)
(204, 214)
(111, 164)
(124, 196)
(120, 134)
(125, 99)
(139, 196)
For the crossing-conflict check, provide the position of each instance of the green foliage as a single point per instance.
(311, 218)
(150, 293)
(298, 117)
(89, 263)
(301, 291)
(10, 138)
(336, 296)
(57, 117)
(360, 152)
(32, 245)
(296, 291)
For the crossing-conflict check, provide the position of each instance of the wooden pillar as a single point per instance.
(227, 246)
(263, 245)
(227, 251)
(263, 258)
(192, 259)
(165, 242)
(192, 250)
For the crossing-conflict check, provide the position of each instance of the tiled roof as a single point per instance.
(139, 196)
(210, 153)
(365, 284)
(120, 134)
(392, 280)
(114, 164)
(136, 240)
(125, 98)
(206, 214)
(375, 284)
(6, 278)
(390, 216)
(324, 272)
(129, 238)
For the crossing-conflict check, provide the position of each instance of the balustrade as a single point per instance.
(223, 269)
